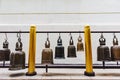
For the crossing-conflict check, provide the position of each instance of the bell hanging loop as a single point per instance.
(19, 36)
(47, 53)
(71, 40)
(79, 38)
(19, 44)
(5, 43)
(47, 43)
(59, 41)
(102, 40)
(115, 40)
(80, 46)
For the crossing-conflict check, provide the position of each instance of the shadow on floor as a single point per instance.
(61, 74)
(17, 74)
(109, 74)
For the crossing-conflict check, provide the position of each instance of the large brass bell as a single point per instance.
(47, 53)
(71, 48)
(59, 49)
(115, 50)
(17, 58)
(103, 53)
(5, 52)
(80, 46)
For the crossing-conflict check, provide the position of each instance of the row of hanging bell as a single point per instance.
(59, 49)
(17, 58)
(103, 52)
(5, 52)
(47, 53)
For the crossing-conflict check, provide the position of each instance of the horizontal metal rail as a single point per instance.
(60, 31)
(76, 66)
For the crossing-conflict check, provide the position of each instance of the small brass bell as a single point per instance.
(80, 46)
(115, 50)
(59, 49)
(47, 53)
(5, 52)
(17, 58)
(71, 48)
(103, 53)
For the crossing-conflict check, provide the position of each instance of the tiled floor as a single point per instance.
(65, 74)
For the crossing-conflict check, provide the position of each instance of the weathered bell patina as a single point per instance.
(71, 48)
(80, 46)
(59, 49)
(103, 53)
(47, 53)
(17, 58)
(115, 50)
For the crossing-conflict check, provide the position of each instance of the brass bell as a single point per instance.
(5, 52)
(17, 58)
(71, 48)
(103, 53)
(47, 53)
(115, 50)
(80, 46)
(59, 49)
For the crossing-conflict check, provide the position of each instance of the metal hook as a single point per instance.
(102, 35)
(79, 34)
(59, 35)
(47, 36)
(114, 35)
(19, 34)
(70, 35)
(6, 38)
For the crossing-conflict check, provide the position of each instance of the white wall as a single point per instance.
(59, 15)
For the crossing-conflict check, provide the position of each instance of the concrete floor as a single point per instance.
(65, 74)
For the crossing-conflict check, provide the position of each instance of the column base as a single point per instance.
(89, 73)
(31, 74)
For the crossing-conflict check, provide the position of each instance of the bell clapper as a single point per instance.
(46, 68)
(117, 63)
(103, 64)
(3, 63)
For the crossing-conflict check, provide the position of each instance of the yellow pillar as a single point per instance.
(32, 51)
(88, 52)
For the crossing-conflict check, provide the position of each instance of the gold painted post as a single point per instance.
(88, 52)
(32, 51)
